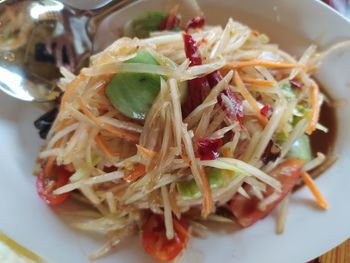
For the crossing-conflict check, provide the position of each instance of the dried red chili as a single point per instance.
(231, 104)
(198, 88)
(265, 110)
(208, 149)
(196, 22)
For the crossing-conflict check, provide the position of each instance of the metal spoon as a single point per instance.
(37, 37)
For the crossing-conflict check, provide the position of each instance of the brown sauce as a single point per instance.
(324, 142)
(321, 141)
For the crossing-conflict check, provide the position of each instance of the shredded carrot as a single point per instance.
(70, 90)
(103, 146)
(256, 33)
(315, 107)
(250, 99)
(264, 63)
(180, 229)
(224, 71)
(226, 152)
(321, 201)
(258, 82)
(132, 137)
(49, 166)
(101, 90)
(208, 204)
(75, 83)
(136, 174)
(104, 108)
(184, 155)
(144, 152)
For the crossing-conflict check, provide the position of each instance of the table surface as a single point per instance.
(340, 254)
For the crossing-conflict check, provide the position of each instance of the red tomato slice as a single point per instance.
(246, 210)
(46, 185)
(156, 243)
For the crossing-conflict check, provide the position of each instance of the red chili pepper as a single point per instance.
(170, 22)
(295, 84)
(191, 50)
(208, 149)
(231, 104)
(265, 110)
(196, 22)
(214, 78)
(198, 88)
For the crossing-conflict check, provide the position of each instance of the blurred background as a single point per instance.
(340, 5)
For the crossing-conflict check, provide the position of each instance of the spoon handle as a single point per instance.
(97, 15)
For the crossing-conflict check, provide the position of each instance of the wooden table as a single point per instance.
(340, 254)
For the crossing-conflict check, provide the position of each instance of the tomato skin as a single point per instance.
(246, 210)
(60, 177)
(156, 243)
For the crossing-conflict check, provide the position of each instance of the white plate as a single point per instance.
(310, 231)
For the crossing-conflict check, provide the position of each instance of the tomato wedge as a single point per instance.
(46, 185)
(156, 243)
(247, 211)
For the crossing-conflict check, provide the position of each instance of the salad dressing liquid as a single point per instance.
(324, 142)
(321, 141)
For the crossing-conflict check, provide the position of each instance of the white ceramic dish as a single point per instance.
(310, 231)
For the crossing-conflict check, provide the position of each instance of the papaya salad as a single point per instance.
(173, 126)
